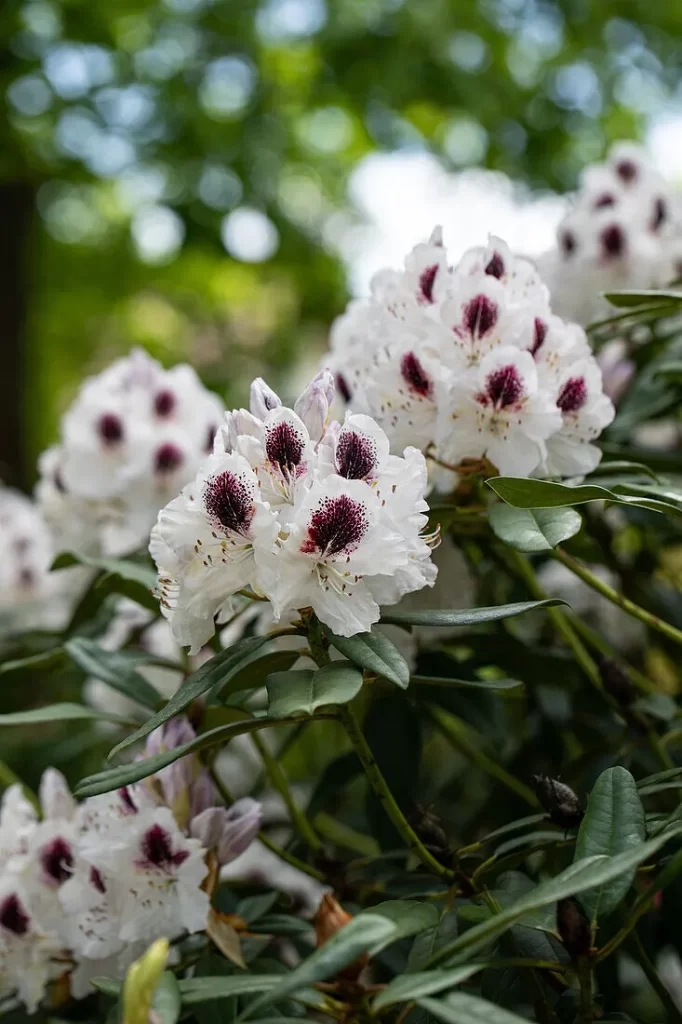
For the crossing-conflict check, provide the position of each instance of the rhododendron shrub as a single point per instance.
(366, 698)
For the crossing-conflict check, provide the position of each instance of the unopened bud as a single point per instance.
(241, 825)
(235, 424)
(141, 981)
(429, 828)
(207, 827)
(55, 796)
(263, 399)
(573, 927)
(559, 800)
(617, 682)
(313, 405)
(329, 919)
(202, 794)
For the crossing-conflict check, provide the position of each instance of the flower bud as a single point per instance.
(313, 405)
(263, 399)
(559, 800)
(55, 796)
(202, 794)
(329, 919)
(241, 824)
(429, 828)
(573, 927)
(207, 827)
(141, 982)
(617, 682)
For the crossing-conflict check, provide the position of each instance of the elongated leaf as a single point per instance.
(374, 652)
(522, 492)
(622, 467)
(585, 874)
(304, 691)
(538, 529)
(116, 668)
(672, 370)
(613, 823)
(48, 661)
(166, 1001)
(127, 569)
(410, 917)
(407, 987)
(135, 580)
(460, 1008)
(431, 940)
(475, 684)
(215, 672)
(467, 616)
(361, 934)
(195, 991)
(254, 673)
(125, 774)
(626, 299)
(61, 713)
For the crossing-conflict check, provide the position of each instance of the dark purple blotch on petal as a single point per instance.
(605, 199)
(573, 395)
(427, 279)
(540, 329)
(355, 456)
(168, 458)
(110, 428)
(480, 315)
(414, 375)
(504, 387)
(56, 860)
(626, 170)
(13, 916)
(495, 267)
(164, 403)
(229, 502)
(613, 241)
(284, 447)
(567, 243)
(339, 524)
(342, 387)
(157, 849)
(660, 214)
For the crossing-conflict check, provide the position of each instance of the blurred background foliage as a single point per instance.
(174, 173)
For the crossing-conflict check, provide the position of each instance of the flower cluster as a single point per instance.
(85, 888)
(135, 435)
(469, 363)
(623, 231)
(307, 512)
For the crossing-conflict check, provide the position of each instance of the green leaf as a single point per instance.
(195, 991)
(217, 671)
(475, 684)
(363, 933)
(109, 986)
(409, 917)
(626, 299)
(254, 673)
(374, 652)
(65, 712)
(459, 1008)
(135, 580)
(467, 616)
(408, 987)
(534, 529)
(672, 370)
(304, 691)
(584, 874)
(613, 823)
(426, 944)
(521, 492)
(622, 467)
(125, 774)
(44, 662)
(116, 668)
(166, 1001)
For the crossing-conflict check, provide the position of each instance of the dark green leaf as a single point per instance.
(522, 492)
(459, 1008)
(467, 616)
(374, 652)
(304, 691)
(124, 775)
(254, 673)
(538, 529)
(166, 1001)
(476, 684)
(613, 824)
(426, 944)
(361, 934)
(626, 299)
(195, 991)
(408, 987)
(409, 917)
(45, 662)
(116, 668)
(217, 671)
(65, 712)
(622, 467)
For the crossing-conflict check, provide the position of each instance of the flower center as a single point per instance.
(164, 403)
(229, 502)
(13, 917)
(414, 375)
(339, 524)
(157, 849)
(503, 387)
(480, 315)
(573, 395)
(427, 280)
(57, 860)
(613, 241)
(284, 447)
(495, 267)
(168, 458)
(355, 456)
(110, 428)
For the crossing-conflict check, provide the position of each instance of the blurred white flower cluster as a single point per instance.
(469, 362)
(30, 596)
(306, 512)
(85, 888)
(133, 437)
(624, 231)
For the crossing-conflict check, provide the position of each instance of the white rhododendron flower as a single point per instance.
(133, 437)
(469, 363)
(306, 512)
(624, 231)
(85, 888)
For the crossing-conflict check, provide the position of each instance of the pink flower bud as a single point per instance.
(263, 399)
(207, 827)
(241, 824)
(313, 405)
(55, 796)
